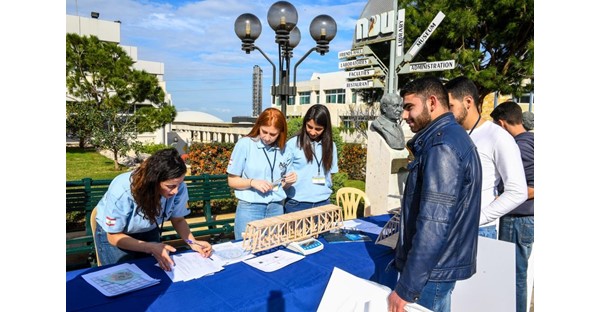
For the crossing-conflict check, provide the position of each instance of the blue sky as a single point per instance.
(205, 68)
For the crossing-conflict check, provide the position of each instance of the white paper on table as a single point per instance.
(228, 253)
(363, 226)
(119, 279)
(191, 265)
(274, 261)
(348, 293)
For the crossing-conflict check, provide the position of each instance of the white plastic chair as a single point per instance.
(349, 198)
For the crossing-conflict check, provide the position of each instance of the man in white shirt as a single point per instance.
(499, 154)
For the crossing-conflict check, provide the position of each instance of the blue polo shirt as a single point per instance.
(251, 159)
(116, 211)
(304, 190)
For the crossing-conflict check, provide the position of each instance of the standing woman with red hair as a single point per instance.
(258, 170)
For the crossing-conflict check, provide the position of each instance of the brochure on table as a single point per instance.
(119, 279)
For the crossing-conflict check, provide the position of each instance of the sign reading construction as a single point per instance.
(360, 73)
(428, 66)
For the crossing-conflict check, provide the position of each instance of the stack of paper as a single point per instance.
(229, 253)
(119, 279)
(363, 226)
(191, 265)
(349, 293)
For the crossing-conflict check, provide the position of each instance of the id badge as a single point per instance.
(318, 180)
(275, 187)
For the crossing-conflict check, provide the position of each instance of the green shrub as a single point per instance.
(356, 184)
(339, 181)
(353, 161)
(151, 148)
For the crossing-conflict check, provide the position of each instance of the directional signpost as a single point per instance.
(363, 68)
(404, 67)
(427, 66)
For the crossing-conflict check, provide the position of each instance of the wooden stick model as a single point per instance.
(290, 227)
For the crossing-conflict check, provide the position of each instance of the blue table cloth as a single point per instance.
(240, 287)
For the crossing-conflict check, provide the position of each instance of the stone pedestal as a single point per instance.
(386, 174)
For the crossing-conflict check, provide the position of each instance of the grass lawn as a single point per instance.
(87, 163)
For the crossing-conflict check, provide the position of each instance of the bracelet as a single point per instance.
(251, 182)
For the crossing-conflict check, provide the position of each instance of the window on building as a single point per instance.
(356, 122)
(335, 96)
(304, 97)
(353, 97)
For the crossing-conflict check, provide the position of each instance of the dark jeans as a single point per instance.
(519, 230)
(436, 296)
(109, 254)
(294, 205)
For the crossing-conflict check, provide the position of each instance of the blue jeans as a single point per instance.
(292, 205)
(109, 254)
(488, 231)
(519, 230)
(436, 296)
(247, 212)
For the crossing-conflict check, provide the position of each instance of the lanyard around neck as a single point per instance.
(272, 166)
(475, 125)
(314, 150)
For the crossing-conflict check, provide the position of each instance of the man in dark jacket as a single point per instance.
(440, 210)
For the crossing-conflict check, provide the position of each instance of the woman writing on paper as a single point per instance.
(131, 213)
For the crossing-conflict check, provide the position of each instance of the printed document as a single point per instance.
(228, 253)
(119, 279)
(274, 261)
(191, 265)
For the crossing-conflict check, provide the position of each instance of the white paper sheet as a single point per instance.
(274, 261)
(229, 252)
(191, 265)
(348, 293)
(119, 279)
(363, 226)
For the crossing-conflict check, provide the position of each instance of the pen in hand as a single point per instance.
(191, 242)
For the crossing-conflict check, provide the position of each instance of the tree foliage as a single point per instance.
(103, 87)
(491, 41)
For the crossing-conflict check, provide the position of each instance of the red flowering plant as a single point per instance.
(186, 158)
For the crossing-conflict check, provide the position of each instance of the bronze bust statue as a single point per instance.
(387, 124)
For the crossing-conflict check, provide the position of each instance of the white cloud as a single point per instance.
(205, 68)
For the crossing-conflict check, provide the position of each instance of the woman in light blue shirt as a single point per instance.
(258, 170)
(314, 159)
(137, 203)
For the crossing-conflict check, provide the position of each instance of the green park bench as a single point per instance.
(83, 195)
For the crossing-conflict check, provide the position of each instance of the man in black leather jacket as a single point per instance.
(437, 244)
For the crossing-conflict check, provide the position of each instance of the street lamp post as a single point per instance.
(282, 18)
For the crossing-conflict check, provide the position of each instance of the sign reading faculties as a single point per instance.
(360, 73)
